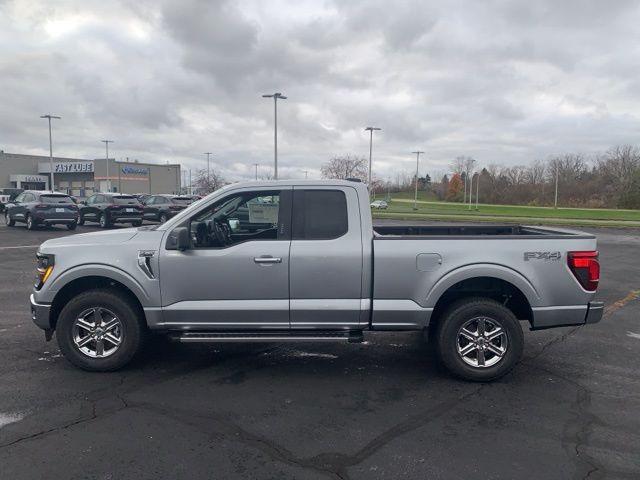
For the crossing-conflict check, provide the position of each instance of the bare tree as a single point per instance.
(343, 167)
(206, 183)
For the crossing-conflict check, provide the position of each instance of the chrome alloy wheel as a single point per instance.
(482, 342)
(97, 332)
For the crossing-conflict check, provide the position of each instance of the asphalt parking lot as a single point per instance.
(381, 409)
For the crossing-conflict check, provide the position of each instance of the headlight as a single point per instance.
(45, 267)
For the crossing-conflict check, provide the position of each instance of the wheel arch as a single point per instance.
(75, 282)
(491, 281)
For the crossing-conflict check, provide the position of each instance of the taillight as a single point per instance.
(45, 267)
(175, 207)
(41, 206)
(585, 268)
(112, 207)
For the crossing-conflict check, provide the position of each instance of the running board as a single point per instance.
(216, 337)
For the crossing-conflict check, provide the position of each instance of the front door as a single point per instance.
(236, 273)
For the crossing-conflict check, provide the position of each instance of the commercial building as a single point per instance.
(81, 177)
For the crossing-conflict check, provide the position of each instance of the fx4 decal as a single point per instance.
(546, 256)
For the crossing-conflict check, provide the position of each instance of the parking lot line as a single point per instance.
(19, 246)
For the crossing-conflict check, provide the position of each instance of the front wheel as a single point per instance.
(479, 339)
(163, 218)
(100, 330)
(136, 223)
(72, 226)
(80, 220)
(31, 225)
(104, 223)
(8, 220)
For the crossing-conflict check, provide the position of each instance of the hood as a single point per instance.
(108, 237)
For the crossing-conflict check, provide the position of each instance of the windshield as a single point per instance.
(125, 200)
(55, 199)
(182, 200)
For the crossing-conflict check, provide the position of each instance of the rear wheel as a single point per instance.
(137, 224)
(479, 339)
(72, 226)
(8, 220)
(31, 225)
(100, 330)
(81, 220)
(163, 217)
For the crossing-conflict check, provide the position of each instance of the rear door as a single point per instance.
(326, 258)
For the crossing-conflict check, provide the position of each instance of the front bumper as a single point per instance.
(40, 314)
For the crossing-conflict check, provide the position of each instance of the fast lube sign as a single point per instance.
(67, 167)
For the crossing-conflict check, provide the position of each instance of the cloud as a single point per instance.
(506, 82)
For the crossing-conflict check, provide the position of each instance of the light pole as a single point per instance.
(555, 202)
(106, 147)
(470, 189)
(415, 195)
(477, 189)
(208, 154)
(306, 174)
(370, 130)
(275, 97)
(256, 165)
(49, 117)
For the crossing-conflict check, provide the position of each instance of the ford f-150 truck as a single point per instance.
(300, 261)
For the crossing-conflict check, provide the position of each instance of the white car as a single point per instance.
(379, 204)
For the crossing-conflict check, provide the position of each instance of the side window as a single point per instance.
(243, 217)
(319, 214)
(150, 201)
(19, 198)
(29, 197)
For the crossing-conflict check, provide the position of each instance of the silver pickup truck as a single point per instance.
(300, 261)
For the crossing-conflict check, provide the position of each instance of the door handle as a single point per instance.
(266, 259)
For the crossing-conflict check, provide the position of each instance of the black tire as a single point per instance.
(72, 226)
(133, 330)
(163, 217)
(81, 220)
(31, 225)
(449, 329)
(137, 224)
(104, 221)
(8, 220)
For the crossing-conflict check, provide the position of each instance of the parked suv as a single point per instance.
(162, 207)
(42, 208)
(110, 208)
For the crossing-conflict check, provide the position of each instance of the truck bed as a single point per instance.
(395, 232)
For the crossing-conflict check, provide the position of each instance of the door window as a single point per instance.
(319, 214)
(246, 216)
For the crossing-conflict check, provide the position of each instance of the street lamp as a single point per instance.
(275, 97)
(106, 146)
(49, 117)
(415, 196)
(477, 189)
(470, 189)
(208, 154)
(256, 165)
(370, 130)
(555, 202)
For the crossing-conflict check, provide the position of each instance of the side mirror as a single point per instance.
(82, 202)
(179, 239)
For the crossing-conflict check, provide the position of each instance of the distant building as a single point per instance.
(82, 177)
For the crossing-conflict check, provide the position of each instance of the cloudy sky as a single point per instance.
(506, 82)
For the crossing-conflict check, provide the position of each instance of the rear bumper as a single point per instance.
(126, 218)
(40, 314)
(58, 221)
(595, 312)
(564, 316)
